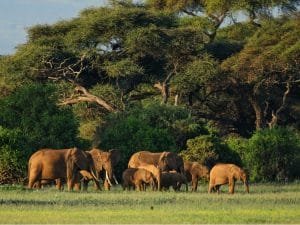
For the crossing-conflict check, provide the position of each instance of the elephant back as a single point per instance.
(144, 157)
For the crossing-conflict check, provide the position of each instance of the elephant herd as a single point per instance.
(160, 170)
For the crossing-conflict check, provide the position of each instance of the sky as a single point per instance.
(17, 15)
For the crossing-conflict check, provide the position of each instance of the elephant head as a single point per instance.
(79, 162)
(171, 161)
(240, 174)
(106, 161)
(201, 170)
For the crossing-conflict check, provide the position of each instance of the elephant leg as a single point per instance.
(137, 186)
(194, 183)
(70, 184)
(210, 187)
(217, 188)
(77, 187)
(231, 186)
(85, 184)
(106, 185)
(37, 184)
(33, 179)
(58, 184)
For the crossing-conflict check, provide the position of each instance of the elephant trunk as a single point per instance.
(246, 184)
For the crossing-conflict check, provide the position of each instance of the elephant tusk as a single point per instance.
(115, 179)
(95, 177)
(108, 180)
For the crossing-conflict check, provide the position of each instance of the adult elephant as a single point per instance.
(60, 164)
(194, 171)
(227, 174)
(166, 161)
(105, 162)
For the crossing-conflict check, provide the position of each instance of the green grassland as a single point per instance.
(267, 203)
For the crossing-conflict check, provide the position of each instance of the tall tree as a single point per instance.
(266, 71)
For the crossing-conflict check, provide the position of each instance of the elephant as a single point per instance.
(165, 161)
(226, 173)
(60, 165)
(138, 178)
(173, 179)
(155, 171)
(194, 171)
(104, 162)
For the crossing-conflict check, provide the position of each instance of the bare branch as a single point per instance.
(275, 115)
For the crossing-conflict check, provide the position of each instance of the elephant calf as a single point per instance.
(226, 174)
(173, 179)
(138, 178)
(194, 171)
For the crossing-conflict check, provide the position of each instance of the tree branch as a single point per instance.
(87, 97)
(275, 115)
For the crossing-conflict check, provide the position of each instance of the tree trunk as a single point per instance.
(259, 113)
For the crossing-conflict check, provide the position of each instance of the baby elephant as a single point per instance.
(173, 179)
(137, 178)
(226, 174)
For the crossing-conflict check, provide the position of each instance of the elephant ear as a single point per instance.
(81, 158)
(163, 156)
(115, 156)
(162, 161)
(70, 161)
(235, 171)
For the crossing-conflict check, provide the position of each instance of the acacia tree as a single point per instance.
(266, 71)
(209, 15)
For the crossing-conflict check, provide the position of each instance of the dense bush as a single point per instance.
(209, 150)
(274, 154)
(153, 127)
(270, 154)
(31, 119)
(11, 154)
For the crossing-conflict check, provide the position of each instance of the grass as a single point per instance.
(267, 203)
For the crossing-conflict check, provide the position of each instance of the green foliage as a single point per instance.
(122, 68)
(240, 146)
(43, 123)
(152, 127)
(197, 73)
(270, 154)
(12, 155)
(209, 150)
(31, 120)
(274, 154)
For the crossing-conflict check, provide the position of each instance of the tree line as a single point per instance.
(185, 76)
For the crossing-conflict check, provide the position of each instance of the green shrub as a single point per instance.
(240, 146)
(152, 127)
(209, 150)
(30, 120)
(11, 154)
(274, 154)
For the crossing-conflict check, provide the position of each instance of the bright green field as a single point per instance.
(266, 203)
